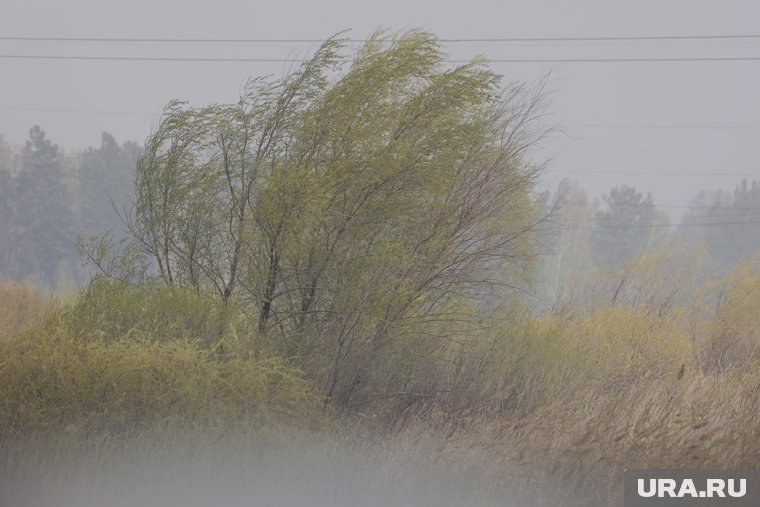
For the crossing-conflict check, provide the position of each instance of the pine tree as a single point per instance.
(624, 228)
(106, 175)
(42, 229)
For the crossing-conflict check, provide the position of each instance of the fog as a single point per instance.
(448, 295)
(314, 475)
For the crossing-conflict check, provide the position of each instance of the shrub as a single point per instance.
(21, 306)
(109, 310)
(120, 360)
(728, 328)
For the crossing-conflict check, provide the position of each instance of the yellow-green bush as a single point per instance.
(21, 305)
(574, 400)
(54, 382)
(616, 342)
(110, 310)
(517, 367)
(571, 399)
(728, 324)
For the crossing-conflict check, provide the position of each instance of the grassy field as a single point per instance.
(130, 382)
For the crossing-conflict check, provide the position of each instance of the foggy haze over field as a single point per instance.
(325, 475)
(617, 117)
(322, 254)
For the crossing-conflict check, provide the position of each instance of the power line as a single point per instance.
(301, 60)
(655, 226)
(599, 126)
(552, 171)
(649, 173)
(153, 58)
(679, 206)
(75, 111)
(595, 126)
(715, 216)
(354, 40)
(666, 127)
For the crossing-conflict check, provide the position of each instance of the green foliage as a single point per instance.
(352, 234)
(52, 381)
(22, 306)
(343, 213)
(559, 398)
(518, 367)
(109, 310)
(728, 321)
(576, 399)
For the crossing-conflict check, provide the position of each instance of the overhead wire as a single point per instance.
(456, 40)
(301, 60)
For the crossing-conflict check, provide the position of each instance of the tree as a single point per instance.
(726, 223)
(106, 176)
(348, 215)
(565, 245)
(42, 233)
(6, 208)
(8, 166)
(625, 228)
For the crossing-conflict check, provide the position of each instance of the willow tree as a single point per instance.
(348, 206)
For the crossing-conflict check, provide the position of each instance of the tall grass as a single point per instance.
(576, 399)
(550, 408)
(21, 305)
(103, 369)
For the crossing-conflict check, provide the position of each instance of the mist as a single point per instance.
(314, 474)
(399, 254)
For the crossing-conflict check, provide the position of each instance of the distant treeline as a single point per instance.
(716, 230)
(49, 196)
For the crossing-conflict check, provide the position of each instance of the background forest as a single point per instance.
(50, 197)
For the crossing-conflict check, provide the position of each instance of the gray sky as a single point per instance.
(586, 95)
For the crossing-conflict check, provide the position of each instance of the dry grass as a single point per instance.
(21, 306)
(516, 410)
(575, 400)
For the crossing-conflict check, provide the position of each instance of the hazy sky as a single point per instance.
(611, 111)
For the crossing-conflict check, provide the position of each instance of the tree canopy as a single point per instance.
(625, 228)
(346, 204)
